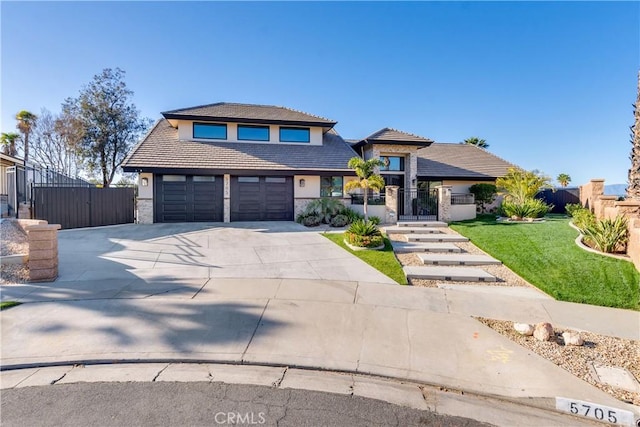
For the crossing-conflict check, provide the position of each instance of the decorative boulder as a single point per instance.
(572, 338)
(543, 331)
(525, 329)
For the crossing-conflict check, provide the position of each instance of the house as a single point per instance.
(237, 162)
(8, 197)
(242, 162)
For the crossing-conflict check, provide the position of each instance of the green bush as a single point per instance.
(351, 215)
(583, 218)
(570, 208)
(309, 220)
(364, 234)
(325, 207)
(375, 219)
(529, 208)
(608, 235)
(339, 220)
(484, 194)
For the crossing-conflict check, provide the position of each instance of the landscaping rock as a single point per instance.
(572, 338)
(543, 331)
(525, 329)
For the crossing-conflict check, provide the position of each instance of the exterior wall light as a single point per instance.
(145, 182)
(302, 182)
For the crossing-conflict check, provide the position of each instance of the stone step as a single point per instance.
(413, 230)
(404, 247)
(458, 259)
(436, 238)
(454, 274)
(422, 224)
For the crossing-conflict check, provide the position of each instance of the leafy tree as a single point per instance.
(563, 179)
(55, 142)
(367, 178)
(633, 189)
(26, 122)
(519, 185)
(474, 140)
(483, 193)
(8, 141)
(109, 121)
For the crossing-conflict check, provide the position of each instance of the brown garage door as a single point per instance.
(261, 198)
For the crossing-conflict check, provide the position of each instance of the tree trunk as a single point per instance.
(26, 146)
(364, 206)
(633, 190)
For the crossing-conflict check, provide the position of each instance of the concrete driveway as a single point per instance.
(207, 250)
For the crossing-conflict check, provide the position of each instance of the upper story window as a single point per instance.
(209, 131)
(392, 163)
(295, 135)
(253, 133)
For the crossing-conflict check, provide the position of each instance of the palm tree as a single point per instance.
(474, 140)
(26, 121)
(367, 178)
(563, 179)
(8, 141)
(633, 189)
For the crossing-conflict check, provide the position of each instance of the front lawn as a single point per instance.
(546, 255)
(383, 260)
(8, 304)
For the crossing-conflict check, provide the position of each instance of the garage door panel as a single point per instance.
(261, 198)
(182, 198)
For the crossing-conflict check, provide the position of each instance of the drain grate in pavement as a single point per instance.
(616, 377)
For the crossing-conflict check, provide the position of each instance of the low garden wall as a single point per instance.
(462, 212)
(592, 197)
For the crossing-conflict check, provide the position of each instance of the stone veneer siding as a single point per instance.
(410, 165)
(145, 211)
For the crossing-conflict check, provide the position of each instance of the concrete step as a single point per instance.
(458, 259)
(422, 224)
(404, 247)
(436, 238)
(454, 274)
(413, 230)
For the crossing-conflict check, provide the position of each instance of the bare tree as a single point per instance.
(54, 142)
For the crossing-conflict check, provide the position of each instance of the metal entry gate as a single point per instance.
(417, 205)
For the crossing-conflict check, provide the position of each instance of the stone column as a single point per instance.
(43, 252)
(391, 204)
(227, 198)
(444, 202)
(145, 210)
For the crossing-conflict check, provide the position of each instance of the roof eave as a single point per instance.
(173, 116)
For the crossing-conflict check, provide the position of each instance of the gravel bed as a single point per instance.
(601, 349)
(14, 242)
(505, 276)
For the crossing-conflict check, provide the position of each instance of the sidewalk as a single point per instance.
(424, 335)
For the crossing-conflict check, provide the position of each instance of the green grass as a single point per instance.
(545, 254)
(383, 260)
(8, 304)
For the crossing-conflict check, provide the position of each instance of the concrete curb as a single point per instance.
(498, 410)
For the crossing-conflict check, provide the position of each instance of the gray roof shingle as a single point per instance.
(460, 161)
(249, 113)
(394, 135)
(161, 149)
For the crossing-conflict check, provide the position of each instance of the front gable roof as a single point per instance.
(460, 161)
(394, 136)
(162, 150)
(249, 113)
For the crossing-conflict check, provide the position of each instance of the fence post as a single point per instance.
(444, 202)
(391, 204)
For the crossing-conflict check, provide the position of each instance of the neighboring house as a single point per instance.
(239, 162)
(8, 201)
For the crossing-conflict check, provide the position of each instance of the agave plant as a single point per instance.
(608, 235)
(364, 234)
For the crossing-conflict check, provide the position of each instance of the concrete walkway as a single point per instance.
(115, 302)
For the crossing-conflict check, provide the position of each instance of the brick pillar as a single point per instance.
(227, 198)
(391, 204)
(444, 202)
(43, 252)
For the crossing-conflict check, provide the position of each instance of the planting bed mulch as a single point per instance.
(599, 349)
(14, 242)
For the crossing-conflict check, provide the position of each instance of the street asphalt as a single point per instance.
(277, 294)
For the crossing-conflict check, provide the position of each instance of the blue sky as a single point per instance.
(548, 85)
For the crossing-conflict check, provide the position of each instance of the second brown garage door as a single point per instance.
(261, 198)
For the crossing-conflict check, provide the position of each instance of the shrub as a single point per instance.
(608, 235)
(583, 218)
(529, 208)
(339, 220)
(308, 220)
(519, 186)
(364, 234)
(570, 208)
(351, 215)
(326, 208)
(375, 219)
(484, 194)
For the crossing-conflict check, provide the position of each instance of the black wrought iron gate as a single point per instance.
(417, 205)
